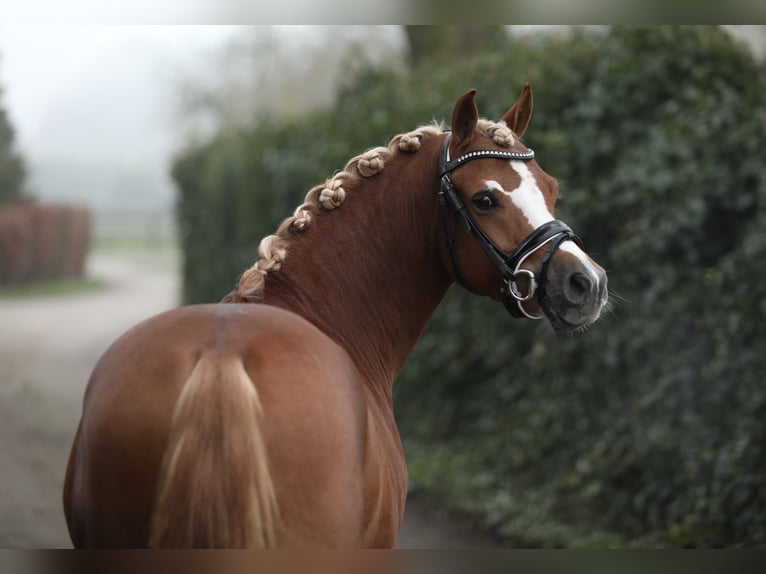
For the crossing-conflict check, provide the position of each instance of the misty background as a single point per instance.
(99, 111)
(102, 113)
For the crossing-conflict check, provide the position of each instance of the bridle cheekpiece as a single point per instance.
(554, 233)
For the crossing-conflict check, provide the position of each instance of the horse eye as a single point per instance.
(484, 201)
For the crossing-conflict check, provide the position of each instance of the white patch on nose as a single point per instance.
(574, 249)
(530, 200)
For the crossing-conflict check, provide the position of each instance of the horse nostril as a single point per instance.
(577, 288)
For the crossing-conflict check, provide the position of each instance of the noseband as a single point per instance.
(553, 232)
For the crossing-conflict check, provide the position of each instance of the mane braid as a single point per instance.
(330, 195)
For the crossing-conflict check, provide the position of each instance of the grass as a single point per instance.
(456, 481)
(162, 257)
(52, 288)
(153, 246)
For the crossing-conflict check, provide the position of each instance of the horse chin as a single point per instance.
(562, 324)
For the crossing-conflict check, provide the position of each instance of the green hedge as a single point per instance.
(650, 428)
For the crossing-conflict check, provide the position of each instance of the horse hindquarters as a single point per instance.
(210, 486)
(197, 504)
(196, 421)
(75, 533)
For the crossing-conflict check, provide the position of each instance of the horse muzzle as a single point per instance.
(575, 291)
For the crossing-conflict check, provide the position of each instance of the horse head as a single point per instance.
(520, 253)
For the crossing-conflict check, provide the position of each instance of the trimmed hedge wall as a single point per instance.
(648, 430)
(40, 242)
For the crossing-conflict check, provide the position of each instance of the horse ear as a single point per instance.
(517, 118)
(464, 118)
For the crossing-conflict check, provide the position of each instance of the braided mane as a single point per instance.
(330, 195)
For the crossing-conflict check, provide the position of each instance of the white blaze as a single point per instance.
(527, 197)
(530, 200)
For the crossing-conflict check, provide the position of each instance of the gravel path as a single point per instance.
(48, 346)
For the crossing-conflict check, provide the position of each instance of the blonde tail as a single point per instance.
(215, 488)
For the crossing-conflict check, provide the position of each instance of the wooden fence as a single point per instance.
(42, 242)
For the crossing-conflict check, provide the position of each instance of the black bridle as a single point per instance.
(553, 232)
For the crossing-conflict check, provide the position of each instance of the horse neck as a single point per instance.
(369, 274)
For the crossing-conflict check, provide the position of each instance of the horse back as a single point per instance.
(312, 432)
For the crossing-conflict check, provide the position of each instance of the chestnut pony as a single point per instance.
(267, 420)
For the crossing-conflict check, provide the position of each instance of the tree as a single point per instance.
(429, 45)
(12, 168)
(274, 72)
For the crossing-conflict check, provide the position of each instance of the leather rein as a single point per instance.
(553, 232)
